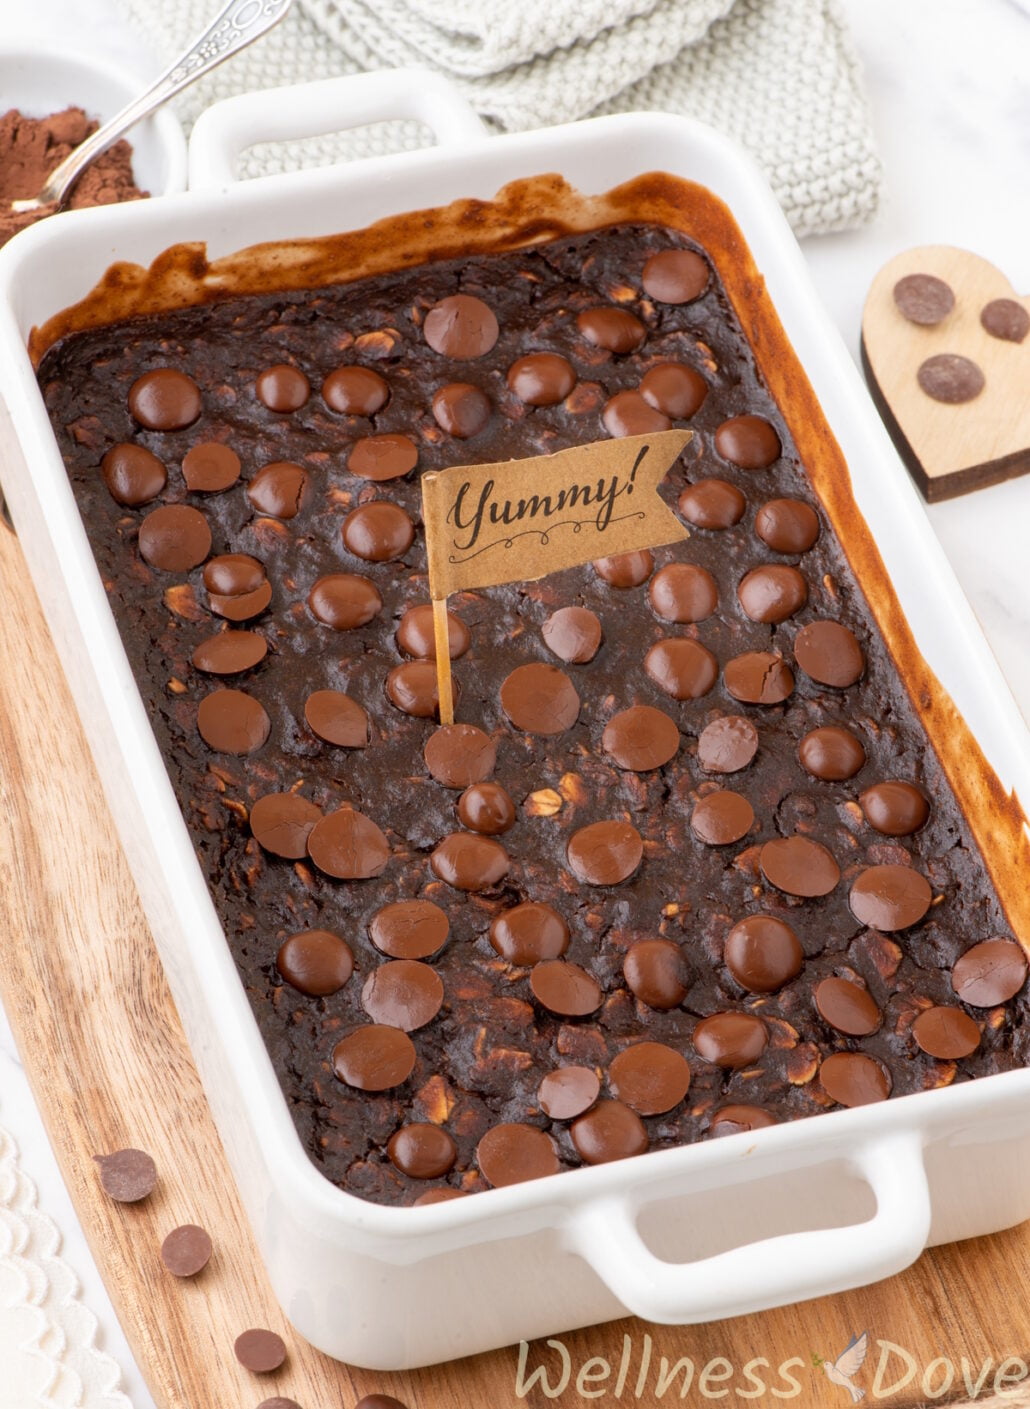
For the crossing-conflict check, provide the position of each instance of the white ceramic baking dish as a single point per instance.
(690, 1234)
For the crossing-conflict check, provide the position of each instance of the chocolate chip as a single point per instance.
(279, 489)
(853, 1079)
(403, 993)
(627, 413)
(282, 822)
(422, 1151)
(337, 719)
(655, 972)
(348, 845)
(683, 668)
(759, 677)
(950, 378)
(415, 635)
(847, 1007)
(174, 538)
(165, 400)
(763, 953)
(946, 1033)
(605, 853)
(470, 862)
(573, 634)
(541, 378)
(431, 1196)
(414, 689)
(233, 574)
(832, 753)
(383, 457)
(615, 329)
(186, 1250)
(512, 1153)
(486, 808)
(461, 409)
(133, 475)
(458, 755)
(315, 962)
(374, 1058)
(787, 525)
(748, 441)
(568, 1092)
(565, 988)
(610, 1131)
(230, 652)
(683, 592)
(650, 1077)
(231, 721)
(641, 738)
(675, 389)
(923, 299)
(721, 818)
(529, 933)
(541, 699)
(736, 1120)
(355, 391)
(1006, 319)
(378, 532)
(829, 653)
(990, 973)
(894, 808)
(890, 898)
(799, 866)
(344, 600)
(283, 388)
(772, 593)
(461, 327)
(260, 1351)
(731, 1040)
(727, 745)
(675, 276)
(242, 606)
(210, 468)
(409, 929)
(712, 503)
(127, 1175)
(625, 570)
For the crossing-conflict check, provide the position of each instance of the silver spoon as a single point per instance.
(239, 24)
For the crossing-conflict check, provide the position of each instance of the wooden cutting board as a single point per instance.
(109, 1067)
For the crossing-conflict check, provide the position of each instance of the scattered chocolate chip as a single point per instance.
(174, 538)
(759, 677)
(683, 592)
(683, 668)
(677, 390)
(615, 329)
(896, 809)
(609, 1132)
(675, 276)
(348, 845)
(230, 652)
(990, 973)
(832, 753)
(282, 822)
(355, 391)
(727, 745)
(260, 1351)
(763, 953)
(231, 721)
(529, 933)
(378, 532)
(853, 1079)
(383, 457)
(279, 489)
(565, 989)
(1006, 319)
(539, 698)
(573, 634)
(461, 327)
(605, 853)
(344, 600)
(731, 1040)
(721, 818)
(283, 388)
(656, 972)
(409, 929)
(186, 1250)
(403, 993)
(748, 441)
(374, 1058)
(315, 962)
(628, 413)
(415, 635)
(829, 653)
(241, 606)
(650, 1077)
(470, 862)
(772, 593)
(133, 475)
(337, 719)
(541, 378)
(165, 400)
(890, 898)
(712, 503)
(799, 866)
(739, 1119)
(233, 574)
(923, 299)
(431, 1196)
(458, 755)
(847, 1007)
(210, 468)
(787, 525)
(946, 1033)
(512, 1153)
(950, 378)
(486, 808)
(127, 1175)
(414, 689)
(422, 1151)
(568, 1092)
(625, 570)
(461, 409)
(641, 738)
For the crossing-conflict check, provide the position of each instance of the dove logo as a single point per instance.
(846, 1366)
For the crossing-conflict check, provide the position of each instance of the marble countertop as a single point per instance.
(947, 84)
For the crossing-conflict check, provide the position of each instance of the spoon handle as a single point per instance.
(239, 24)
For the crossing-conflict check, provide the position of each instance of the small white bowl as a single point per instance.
(38, 82)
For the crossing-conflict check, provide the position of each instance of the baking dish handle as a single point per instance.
(774, 1271)
(226, 129)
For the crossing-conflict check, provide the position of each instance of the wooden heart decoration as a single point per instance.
(946, 351)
